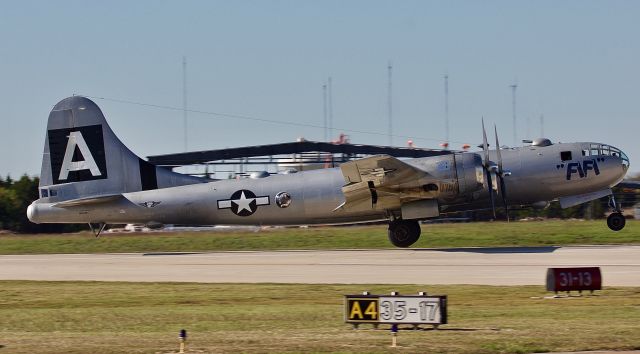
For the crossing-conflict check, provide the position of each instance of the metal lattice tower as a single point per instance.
(184, 102)
(513, 106)
(446, 108)
(330, 102)
(324, 110)
(390, 102)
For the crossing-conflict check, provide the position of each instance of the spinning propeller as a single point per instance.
(491, 168)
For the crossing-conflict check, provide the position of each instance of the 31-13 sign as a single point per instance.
(396, 309)
(570, 279)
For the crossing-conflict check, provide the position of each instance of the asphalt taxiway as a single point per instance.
(489, 266)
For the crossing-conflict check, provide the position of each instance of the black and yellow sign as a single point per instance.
(410, 309)
(362, 309)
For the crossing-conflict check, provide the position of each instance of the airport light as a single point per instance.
(183, 340)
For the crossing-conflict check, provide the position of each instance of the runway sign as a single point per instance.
(398, 309)
(570, 279)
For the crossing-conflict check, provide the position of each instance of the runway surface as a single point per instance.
(491, 266)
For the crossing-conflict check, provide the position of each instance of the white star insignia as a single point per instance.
(243, 203)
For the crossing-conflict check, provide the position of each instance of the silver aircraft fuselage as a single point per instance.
(538, 174)
(89, 176)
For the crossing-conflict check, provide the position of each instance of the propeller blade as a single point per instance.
(498, 153)
(490, 189)
(485, 145)
(500, 175)
(485, 148)
(503, 194)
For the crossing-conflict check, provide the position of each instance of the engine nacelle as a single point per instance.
(470, 173)
(456, 176)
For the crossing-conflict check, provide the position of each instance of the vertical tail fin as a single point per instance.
(84, 158)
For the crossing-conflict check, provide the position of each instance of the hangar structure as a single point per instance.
(263, 160)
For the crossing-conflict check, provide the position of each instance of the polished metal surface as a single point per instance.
(88, 175)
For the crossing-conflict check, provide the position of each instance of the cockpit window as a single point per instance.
(608, 150)
(565, 155)
(615, 152)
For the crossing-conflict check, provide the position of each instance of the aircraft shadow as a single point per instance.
(494, 250)
(169, 253)
(425, 328)
(456, 329)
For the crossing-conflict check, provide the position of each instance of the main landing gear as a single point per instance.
(404, 233)
(616, 220)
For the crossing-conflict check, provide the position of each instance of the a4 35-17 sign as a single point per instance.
(411, 309)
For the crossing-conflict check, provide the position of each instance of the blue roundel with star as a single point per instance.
(243, 202)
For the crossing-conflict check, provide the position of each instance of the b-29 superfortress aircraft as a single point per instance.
(89, 176)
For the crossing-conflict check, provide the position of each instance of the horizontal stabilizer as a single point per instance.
(89, 201)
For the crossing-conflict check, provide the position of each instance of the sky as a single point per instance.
(575, 62)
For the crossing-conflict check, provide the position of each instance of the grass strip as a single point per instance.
(116, 317)
(494, 234)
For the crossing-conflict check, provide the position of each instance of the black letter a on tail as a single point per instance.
(77, 154)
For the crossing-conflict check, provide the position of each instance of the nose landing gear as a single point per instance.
(404, 233)
(616, 220)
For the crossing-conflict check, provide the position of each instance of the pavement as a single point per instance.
(620, 266)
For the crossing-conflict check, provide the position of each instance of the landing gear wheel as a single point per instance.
(616, 221)
(404, 233)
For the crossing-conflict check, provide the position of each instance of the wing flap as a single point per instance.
(382, 182)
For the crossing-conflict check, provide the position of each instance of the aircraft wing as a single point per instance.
(383, 182)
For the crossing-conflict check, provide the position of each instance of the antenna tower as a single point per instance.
(390, 102)
(324, 110)
(184, 101)
(330, 94)
(513, 105)
(446, 108)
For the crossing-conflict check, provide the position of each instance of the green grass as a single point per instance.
(104, 317)
(534, 233)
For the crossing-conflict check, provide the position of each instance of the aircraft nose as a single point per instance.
(624, 163)
(625, 160)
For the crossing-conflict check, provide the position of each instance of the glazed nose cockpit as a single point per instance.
(608, 150)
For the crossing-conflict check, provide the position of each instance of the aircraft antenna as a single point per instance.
(542, 125)
(324, 109)
(513, 106)
(446, 108)
(184, 101)
(390, 101)
(330, 92)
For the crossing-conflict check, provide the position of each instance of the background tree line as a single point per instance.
(16, 195)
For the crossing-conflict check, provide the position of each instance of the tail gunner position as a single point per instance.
(89, 176)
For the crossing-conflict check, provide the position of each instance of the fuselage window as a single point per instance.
(565, 155)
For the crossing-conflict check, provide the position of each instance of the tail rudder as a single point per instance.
(84, 158)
